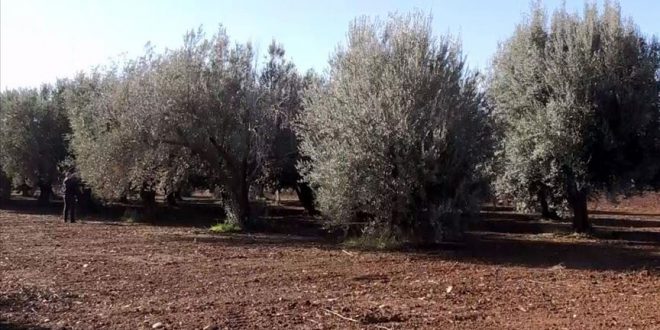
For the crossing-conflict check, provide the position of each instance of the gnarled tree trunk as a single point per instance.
(577, 200)
(242, 198)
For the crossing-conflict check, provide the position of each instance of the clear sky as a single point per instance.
(41, 40)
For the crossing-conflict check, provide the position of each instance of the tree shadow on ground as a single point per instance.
(542, 252)
(518, 240)
(624, 213)
(609, 229)
(288, 217)
(31, 206)
(193, 214)
(6, 325)
(531, 251)
(7, 302)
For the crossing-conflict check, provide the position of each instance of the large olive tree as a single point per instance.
(33, 125)
(577, 101)
(395, 137)
(111, 152)
(200, 108)
(211, 105)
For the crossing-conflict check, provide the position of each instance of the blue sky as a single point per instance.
(44, 39)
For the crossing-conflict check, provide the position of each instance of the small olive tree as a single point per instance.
(577, 102)
(396, 136)
(33, 126)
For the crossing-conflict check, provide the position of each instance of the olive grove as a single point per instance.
(398, 137)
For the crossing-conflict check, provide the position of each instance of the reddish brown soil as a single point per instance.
(646, 204)
(94, 275)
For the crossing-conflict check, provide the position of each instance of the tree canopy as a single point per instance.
(33, 125)
(396, 136)
(201, 108)
(577, 101)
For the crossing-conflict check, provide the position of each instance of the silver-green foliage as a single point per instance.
(195, 109)
(111, 151)
(32, 129)
(577, 102)
(396, 136)
(283, 88)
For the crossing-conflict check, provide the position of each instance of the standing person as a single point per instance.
(71, 193)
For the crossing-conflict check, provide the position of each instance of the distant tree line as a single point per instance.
(398, 136)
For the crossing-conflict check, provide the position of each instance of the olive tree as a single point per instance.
(110, 153)
(577, 101)
(522, 178)
(283, 87)
(94, 138)
(33, 125)
(197, 109)
(211, 105)
(396, 136)
(106, 149)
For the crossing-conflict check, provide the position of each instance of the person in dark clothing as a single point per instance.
(70, 187)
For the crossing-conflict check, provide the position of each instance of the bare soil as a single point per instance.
(98, 274)
(646, 204)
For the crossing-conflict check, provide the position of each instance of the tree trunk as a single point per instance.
(577, 199)
(148, 198)
(306, 197)
(46, 190)
(5, 188)
(171, 199)
(123, 199)
(25, 190)
(546, 212)
(242, 195)
(239, 203)
(580, 213)
(124, 196)
(243, 205)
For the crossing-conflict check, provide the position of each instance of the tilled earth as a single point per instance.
(94, 275)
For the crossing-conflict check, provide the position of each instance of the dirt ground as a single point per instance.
(98, 274)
